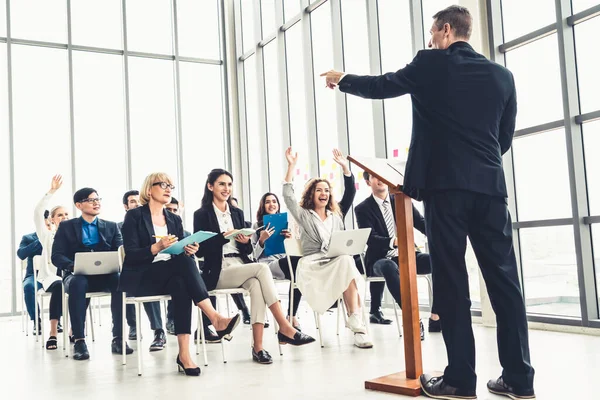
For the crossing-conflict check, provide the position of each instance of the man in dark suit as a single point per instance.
(30, 247)
(464, 110)
(131, 200)
(377, 212)
(84, 234)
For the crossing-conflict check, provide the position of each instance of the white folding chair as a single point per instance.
(293, 248)
(137, 302)
(24, 322)
(369, 280)
(40, 294)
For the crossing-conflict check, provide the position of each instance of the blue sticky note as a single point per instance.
(274, 245)
(178, 247)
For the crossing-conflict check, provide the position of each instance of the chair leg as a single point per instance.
(139, 337)
(41, 320)
(339, 314)
(91, 322)
(37, 318)
(276, 329)
(23, 324)
(223, 340)
(67, 322)
(397, 318)
(202, 337)
(318, 319)
(123, 331)
(99, 309)
(364, 307)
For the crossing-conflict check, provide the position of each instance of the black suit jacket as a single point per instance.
(464, 110)
(205, 219)
(137, 233)
(368, 215)
(67, 242)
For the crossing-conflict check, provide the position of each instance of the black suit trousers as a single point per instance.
(452, 216)
(180, 278)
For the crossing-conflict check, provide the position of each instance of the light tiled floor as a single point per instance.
(567, 367)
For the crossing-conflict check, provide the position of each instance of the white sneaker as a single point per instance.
(362, 341)
(356, 323)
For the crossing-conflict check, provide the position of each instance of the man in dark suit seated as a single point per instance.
(464, 112)
(30, 247)
(84, 234)
(377, 212)
(131, 200)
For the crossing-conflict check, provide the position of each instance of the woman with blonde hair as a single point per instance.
(149, 229)
(45, 228)
(318, 215)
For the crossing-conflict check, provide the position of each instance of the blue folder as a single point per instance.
(274, 245)
(178, 247)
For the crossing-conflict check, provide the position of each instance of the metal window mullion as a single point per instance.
(418, 30)
(378, 106)
(496, 37)
(225, 93)
(242, 149)
(178, 119)
(284, 129)
(11, 164)
(341, 105)
(262, 109)
(71, 103)
(311, 114)
(576, 163)
(128, 164)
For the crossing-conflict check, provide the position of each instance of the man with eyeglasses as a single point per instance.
(84, 234)
(131, 200)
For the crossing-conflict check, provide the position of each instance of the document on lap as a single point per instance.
(178, 247)
(244, 232)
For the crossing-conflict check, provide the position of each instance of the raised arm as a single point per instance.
(41, 207)
(289, 197)
(349, 187)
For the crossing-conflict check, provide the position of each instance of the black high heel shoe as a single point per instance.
(187, 371)
(226, 333)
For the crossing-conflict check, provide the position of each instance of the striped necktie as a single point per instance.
(391, 226)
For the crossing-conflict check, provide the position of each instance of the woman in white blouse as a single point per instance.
(47, 277)
(318, 216)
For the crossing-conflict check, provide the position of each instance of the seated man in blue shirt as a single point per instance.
(84, 234)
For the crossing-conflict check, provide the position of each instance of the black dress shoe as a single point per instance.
(378, 318)
(187, 371)
(436, 388)
(246, 316)
(298, 340)
(170, 327)
(435, 326)
(262, 357)
(132, 333)
(59, 328)
(160, 340)
(117, 346)
(80, 352)
(226, 333)
(209, 336)
(422, 329)
(500, 387)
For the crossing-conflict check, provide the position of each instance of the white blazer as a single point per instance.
(47, 271)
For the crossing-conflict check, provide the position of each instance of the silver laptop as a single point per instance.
(350, 243)
(96, 263)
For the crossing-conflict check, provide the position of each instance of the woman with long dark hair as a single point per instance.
(227, 265)
(319, 215)
(278, 263)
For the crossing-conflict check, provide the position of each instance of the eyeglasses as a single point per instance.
(94, 200)
(164, 185)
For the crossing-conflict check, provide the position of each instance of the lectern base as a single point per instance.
(396, 383)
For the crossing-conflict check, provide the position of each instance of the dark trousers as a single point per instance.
(78, 285)
(388, 268)
(152, 311)
(283, 264)
(180, 278)
(451, 216)
(29, 290)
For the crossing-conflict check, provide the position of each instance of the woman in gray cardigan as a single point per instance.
(318, 215)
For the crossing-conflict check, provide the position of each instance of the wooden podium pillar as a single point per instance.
(407, 381)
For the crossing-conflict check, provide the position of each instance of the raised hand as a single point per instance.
(341, 159)
(57, 182)
(292, 158)
(265, 234)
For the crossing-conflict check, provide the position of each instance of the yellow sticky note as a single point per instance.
(323, 162)
(333, 166)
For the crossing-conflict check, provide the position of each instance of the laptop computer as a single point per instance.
(96, 263)
(349, 242)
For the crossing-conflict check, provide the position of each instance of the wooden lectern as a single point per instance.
(406, 382)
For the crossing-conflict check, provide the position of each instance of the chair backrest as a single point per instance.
(121, 251)
(293, 247)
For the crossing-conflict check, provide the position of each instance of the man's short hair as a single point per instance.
(174, 200)
(83, 194)
(459, 18)
(366, 176)
(129, 193)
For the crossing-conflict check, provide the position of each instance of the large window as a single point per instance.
(101, 116)
(273, 95)
(517, 16)
(591, 143)
(255, 149)
(587, 74)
